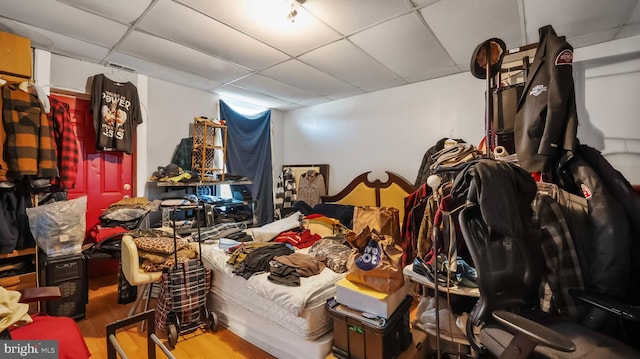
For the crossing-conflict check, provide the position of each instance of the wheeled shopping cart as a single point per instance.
(181, 307)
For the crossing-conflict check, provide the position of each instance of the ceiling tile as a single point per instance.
(209, 36)
(273, 88)
(433, 74)
(36, 35)
(165, 73)
(593, 38)
(475, 22)
(170, 54)
(340, 48)
(63, 19)
(344, 94)
(424, 2)
(339, 14)
(314, 101)
(347, 62)
(575, 18)
(386, 85)
(266, 21)
(303, 76)
(629, 30)
(59, 44)
(124, 11)
(403, 45)
(250, 97)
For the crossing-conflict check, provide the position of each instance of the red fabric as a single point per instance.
(537, 176)
(414, 207)
(97, 234)
(71, 344)
(298, 240)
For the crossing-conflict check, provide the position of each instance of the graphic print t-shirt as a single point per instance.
(116, 113)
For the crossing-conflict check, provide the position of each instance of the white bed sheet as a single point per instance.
(263, 334)
(298, 311)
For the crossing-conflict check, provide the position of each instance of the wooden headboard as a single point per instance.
(362, 192)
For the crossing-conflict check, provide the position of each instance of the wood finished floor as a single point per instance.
(103, 308)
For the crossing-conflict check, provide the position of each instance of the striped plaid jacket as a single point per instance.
(28, 147)
(66, 143)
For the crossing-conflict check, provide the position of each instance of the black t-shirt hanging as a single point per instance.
(116, 113)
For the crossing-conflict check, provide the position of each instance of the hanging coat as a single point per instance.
(546, 120)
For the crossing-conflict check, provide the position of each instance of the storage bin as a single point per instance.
(358, 337)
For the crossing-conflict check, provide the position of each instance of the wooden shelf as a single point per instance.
(209, 147)
(18, 253)
(454, 289)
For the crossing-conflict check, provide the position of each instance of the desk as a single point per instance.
(238, 209)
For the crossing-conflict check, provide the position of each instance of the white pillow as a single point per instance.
(271, 230)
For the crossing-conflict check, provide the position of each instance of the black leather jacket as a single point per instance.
(609, 245)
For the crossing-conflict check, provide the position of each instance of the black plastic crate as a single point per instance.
(69, 273)
(357, 337)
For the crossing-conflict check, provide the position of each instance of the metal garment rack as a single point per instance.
(518, 61)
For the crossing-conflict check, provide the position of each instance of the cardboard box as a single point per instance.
(419, 347)
(363, 298)
(358, 337)
(15, 55)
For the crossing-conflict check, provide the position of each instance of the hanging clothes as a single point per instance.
(29, 149)
(310, 187)
(546, 120)
(428, 159)
(66, 142)
(182, 154)
(249, 155)
(116, 113)
(14, 223)
(415, 205)
(286, 193)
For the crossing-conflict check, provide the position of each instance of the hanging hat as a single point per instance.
(497, 50)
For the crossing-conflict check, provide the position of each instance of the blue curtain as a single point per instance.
(249, 155)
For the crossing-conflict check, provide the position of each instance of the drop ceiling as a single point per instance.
(248, 50)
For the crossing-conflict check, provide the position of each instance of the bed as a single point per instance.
(291, 322)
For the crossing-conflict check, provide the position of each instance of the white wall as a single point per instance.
(610, 109)
(392, 129)
(386, 130)
(172, 109)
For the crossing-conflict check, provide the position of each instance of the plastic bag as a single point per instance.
(59, 228)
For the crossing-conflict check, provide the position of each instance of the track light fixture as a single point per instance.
(293, 9)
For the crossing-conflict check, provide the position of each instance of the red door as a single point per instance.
(104, 177)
